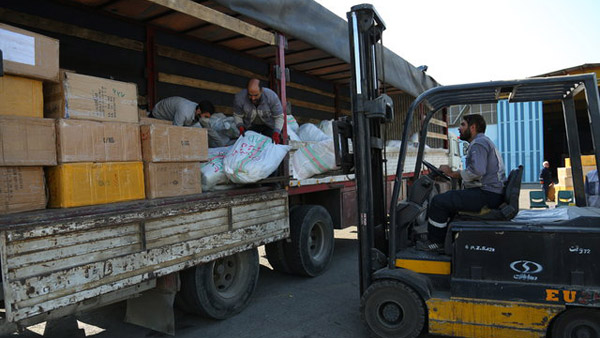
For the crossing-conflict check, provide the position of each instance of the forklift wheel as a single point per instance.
(392, 309)
(577, 323)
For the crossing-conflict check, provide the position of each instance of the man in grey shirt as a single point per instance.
(483, 180)
(181, 111)
(258, 109)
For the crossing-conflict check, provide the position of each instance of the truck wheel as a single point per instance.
(223, 287)
(276, 256)
(310, 249)
(576, 323)
(392, 309)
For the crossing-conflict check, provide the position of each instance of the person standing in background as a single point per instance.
(546, 180)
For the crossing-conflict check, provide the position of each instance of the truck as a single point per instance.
(503, 272)
(197, 251)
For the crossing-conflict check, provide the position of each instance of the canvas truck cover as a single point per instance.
(307, 20)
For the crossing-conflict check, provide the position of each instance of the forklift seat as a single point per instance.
(509, 207)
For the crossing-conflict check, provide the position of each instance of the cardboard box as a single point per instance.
(91, 98)
(150, 120)
(20, 96)
(172, 179)
(586, 160)
(78, 184)
(91, 141)
(168, 143)
(27, 141)
(22, 189)
(29, 54)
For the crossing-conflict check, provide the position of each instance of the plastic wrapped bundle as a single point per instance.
(252, 158)
(308, 132)
(313, 158)
(212, 171)
(292, 123)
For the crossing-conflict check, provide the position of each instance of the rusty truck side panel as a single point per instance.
(51, 263)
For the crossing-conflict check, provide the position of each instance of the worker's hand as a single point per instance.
(242, 130)
(275, 137)
(446, 169)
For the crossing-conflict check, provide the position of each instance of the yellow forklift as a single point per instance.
(500, 275)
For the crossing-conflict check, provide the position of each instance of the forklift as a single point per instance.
(500, 275)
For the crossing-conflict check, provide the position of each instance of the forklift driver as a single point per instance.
(483, 180)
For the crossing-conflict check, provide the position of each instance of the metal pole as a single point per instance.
(574, 150)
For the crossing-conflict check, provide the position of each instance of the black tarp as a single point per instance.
(310, 22)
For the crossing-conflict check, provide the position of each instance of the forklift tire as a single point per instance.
(577, 323)
(310, 248)
(391, 308)
(221, 288)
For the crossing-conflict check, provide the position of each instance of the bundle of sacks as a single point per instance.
(315, 152)
(222, 131)
(254, 157)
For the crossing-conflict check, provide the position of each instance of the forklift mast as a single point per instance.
(370, 109)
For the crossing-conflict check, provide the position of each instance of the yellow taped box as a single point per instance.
(585, 160)
(78, 184)
(92, 141)
(168, 143)
(86, 97)
(29, 54)
(172, 179)
(27, 141)
(22, 189)
(20, 96)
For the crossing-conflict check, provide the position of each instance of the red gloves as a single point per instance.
(275, 137)
(242, 130)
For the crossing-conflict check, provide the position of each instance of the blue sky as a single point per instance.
(471, 41)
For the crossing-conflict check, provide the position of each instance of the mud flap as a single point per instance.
(154, 308)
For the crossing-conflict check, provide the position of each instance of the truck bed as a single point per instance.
(55, 261)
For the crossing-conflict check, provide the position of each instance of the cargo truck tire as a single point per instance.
(221, 288)
(577, 323)
(391, 308)
(276, 256)
(310, 248)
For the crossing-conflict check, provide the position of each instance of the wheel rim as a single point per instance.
(584, 330)
(316, 242)
(227, 276)
(390, 314)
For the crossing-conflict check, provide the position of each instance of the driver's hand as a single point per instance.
(446, 169)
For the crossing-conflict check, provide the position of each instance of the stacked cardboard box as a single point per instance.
(27, 140)
(98, 141)
(565, 175)
(172, 157)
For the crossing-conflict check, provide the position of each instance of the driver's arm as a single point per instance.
(476, 165)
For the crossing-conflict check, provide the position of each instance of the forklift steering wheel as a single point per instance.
(436, 171)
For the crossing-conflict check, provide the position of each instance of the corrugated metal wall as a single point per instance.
(521, 137)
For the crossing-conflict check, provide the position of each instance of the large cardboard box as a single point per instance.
(27, 141)
(22, 189)
(91, 98)
(172, 179)
(29, 54)
(586, 160)
(78, 184)
(21, 96)
(92, 141)
(168, 143)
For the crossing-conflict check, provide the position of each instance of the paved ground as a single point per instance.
(282, 306)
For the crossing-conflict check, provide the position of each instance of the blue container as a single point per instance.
(521, 137)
